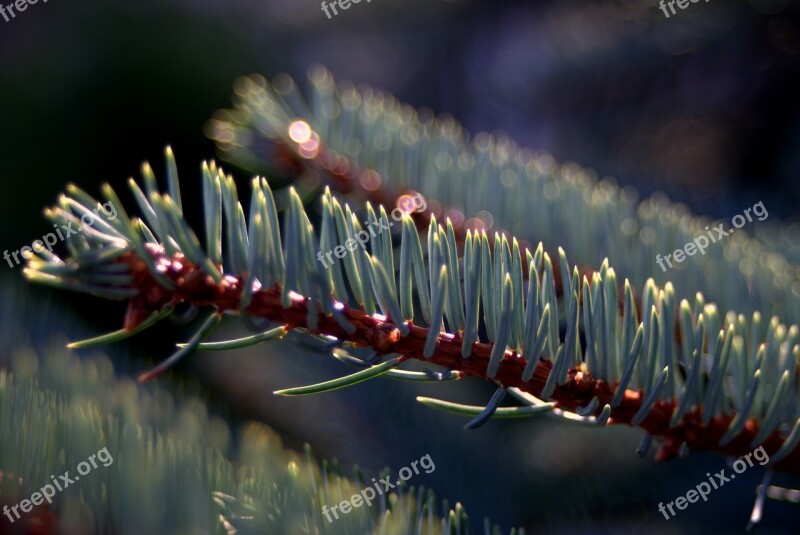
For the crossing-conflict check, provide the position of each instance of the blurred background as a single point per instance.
(702, 105)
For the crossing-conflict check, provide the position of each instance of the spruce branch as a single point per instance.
(56, 408)
(296, 149)
(719, 387)
(365, 140)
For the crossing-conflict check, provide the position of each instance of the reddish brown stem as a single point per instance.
(194, 286)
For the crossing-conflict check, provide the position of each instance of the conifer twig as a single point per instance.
(621, 370)
(381, 335)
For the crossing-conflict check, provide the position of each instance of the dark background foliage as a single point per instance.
(702, 105)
